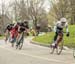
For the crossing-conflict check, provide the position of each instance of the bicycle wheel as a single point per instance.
(59, 48)
(20, 41)
(12, 44)
(74, 53)
(20, 46)
(52, 47)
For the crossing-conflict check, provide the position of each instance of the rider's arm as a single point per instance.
(67, 28)
(54, 29)
(67, 31)
(57, 24)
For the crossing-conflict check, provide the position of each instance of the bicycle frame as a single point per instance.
(59, 40)
(20, 40)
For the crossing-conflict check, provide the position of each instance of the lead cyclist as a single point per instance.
(58, 29)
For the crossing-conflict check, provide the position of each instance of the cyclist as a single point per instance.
(26, 28)
(32, 31)
(21, 30)
(58, 28)
(7, 31)
(37, 29)
(13, 32)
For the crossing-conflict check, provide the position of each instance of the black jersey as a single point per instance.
(9, 27)
(21, 27)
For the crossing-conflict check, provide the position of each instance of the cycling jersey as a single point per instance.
(59, 27)
(22, 27)
(13, 33)
(9, 27)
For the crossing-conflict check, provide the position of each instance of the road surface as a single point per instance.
(32, 54)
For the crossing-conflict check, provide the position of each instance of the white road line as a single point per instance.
(33, 56)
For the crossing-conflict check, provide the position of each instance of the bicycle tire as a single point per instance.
(59, 48)
(20, 46)
(20, 41)
(52, 50)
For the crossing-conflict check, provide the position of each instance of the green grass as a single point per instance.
(1, 37)
(68, 41)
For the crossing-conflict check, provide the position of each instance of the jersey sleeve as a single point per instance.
(54, 29)
(67, 28)
(56, 25)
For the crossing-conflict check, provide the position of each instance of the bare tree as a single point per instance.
(72, 3)
(31, 10)
(60, 8)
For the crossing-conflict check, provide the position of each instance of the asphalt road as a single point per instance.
(33, 54)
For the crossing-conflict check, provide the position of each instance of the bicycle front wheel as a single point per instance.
(59, 48)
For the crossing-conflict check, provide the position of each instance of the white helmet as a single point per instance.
(63, 20)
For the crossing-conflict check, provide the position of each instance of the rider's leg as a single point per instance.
(6, 35)
(17, 39)
(59, 38)
(55, 37)
(13, 40)
(20, 39)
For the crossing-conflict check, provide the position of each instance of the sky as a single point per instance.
(6, 4)
(46, 4)
(6, 1)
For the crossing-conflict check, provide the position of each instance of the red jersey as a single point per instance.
(14, 32)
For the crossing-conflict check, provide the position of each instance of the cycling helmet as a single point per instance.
(64, 20)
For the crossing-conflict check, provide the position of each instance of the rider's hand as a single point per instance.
(67, 34)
